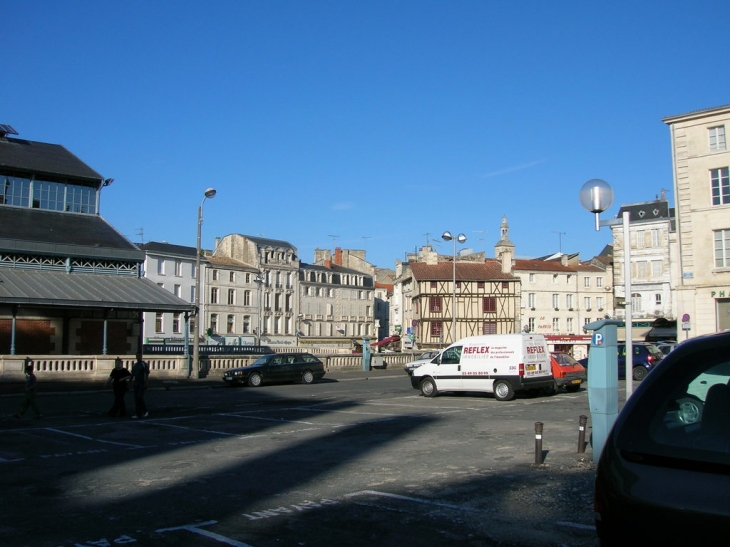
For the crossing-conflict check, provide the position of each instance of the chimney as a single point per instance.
(506, 258)
(328, 264)
(338, 256)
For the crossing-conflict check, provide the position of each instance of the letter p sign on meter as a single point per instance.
(597, 339)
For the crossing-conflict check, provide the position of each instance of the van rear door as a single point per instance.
(537, 358)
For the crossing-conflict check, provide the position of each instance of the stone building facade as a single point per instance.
(701, 171)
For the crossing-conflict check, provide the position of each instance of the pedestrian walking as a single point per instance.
(140, 374)
(119, 378)
(30, 391)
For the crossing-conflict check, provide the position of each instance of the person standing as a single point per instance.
(30, 391)
(140, 374)
(119, 378)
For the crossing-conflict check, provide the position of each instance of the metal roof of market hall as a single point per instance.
(63, 259)
(47, 288)
(56, 233)
(41, 158)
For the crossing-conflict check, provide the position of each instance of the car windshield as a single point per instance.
(565, 360)
(686, 414)
(264, 360)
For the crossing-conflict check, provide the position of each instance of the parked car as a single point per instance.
(567, 372)
(666, 346)
(279, 367)
(663, 476)
(646, 357)
(425, 357)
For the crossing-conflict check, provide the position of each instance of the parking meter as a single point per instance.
(603, 380)
(366, 353)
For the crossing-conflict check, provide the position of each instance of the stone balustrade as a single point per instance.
(174, 367)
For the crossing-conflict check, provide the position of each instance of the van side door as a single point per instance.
(448, 372)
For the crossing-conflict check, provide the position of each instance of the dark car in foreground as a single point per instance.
(663, 476)
(279, 367)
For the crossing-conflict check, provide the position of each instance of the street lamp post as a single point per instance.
(261, 281)
(596, 195)
(461, 238)
(195, 365)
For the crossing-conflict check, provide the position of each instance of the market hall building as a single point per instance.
(70, 284)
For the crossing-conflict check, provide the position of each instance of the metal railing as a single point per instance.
(205, 349)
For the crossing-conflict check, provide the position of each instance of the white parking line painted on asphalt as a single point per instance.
(207, 431)
(408, 498)
(195, 529)
(239, 435)
(376, 493)
(283, 421)
(91, 438)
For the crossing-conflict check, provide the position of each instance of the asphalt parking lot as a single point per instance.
(360, 458)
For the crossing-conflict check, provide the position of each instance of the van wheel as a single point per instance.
(503, 391)
(640, 373)
(428, 387)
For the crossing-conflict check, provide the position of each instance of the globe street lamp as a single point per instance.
(596, 196)
(195, 365)
(461, 238)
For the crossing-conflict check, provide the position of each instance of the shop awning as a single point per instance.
(47, 288)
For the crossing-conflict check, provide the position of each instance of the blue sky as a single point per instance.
(367, 125)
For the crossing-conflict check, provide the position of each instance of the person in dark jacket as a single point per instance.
(140, 373)
(119, 378)
(30, 391)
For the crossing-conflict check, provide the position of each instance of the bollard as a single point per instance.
(538, 443)
(582, 434)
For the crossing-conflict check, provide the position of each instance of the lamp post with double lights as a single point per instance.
(461, 238)
(596, 196)
(195, 365)
(260, 280)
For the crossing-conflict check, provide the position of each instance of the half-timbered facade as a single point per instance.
(481, 300)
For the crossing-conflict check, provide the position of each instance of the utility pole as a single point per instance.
(560, 240)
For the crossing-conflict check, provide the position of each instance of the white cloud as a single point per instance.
(513, 169)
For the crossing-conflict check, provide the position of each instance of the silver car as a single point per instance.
(425, 357)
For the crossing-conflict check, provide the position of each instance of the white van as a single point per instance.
(495, 363)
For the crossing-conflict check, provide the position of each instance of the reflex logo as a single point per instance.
(476, 349)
